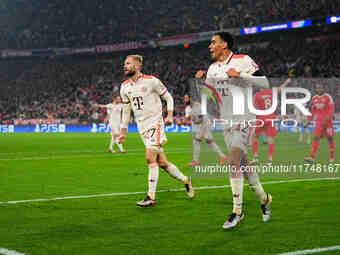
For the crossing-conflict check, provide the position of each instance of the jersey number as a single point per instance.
(138, 102)
(267, 103)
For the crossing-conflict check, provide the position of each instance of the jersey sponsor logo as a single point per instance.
(138, 102)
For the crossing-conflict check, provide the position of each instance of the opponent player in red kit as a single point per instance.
(322, 113)
(263, 100)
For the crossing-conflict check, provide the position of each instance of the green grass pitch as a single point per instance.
(306, 214)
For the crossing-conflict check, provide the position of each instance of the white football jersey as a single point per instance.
(196, 115)
(114, 111)
(202, 127)
(217, 77)
(187, 111)
(144, 97)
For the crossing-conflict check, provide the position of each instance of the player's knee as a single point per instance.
(150, 160)
(163, 164)
(197, 140)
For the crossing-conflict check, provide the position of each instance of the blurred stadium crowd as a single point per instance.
(71, 23)
(66, 87)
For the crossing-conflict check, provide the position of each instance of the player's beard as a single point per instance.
(130, 74)
(215, 54)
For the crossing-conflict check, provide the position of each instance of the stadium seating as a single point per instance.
(43, 24)
(65, 87)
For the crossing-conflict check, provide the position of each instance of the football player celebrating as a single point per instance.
(142, 93)
(244, 73)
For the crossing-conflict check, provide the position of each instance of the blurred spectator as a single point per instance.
(66, 87)
(71, 23)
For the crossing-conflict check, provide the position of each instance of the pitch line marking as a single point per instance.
(159, 191)
(317, 250)
(81, 151)
(9, 252)
(53, 157)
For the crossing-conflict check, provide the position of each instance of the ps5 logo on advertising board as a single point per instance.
(6, 128)
(100, 128)
(50, 128)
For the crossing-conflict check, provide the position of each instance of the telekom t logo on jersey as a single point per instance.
(239, 101)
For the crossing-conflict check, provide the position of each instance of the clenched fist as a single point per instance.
(200, 74)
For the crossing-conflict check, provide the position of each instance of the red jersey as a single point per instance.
(322, 106)
(263, 100)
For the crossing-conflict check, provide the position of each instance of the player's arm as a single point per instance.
(330, 114)
(257, 78)
(126, 113)
(251, 73)
(162, 91)
(99, 105)
(200, 74)
(187, 120)
(170, 107)
(285, 83)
